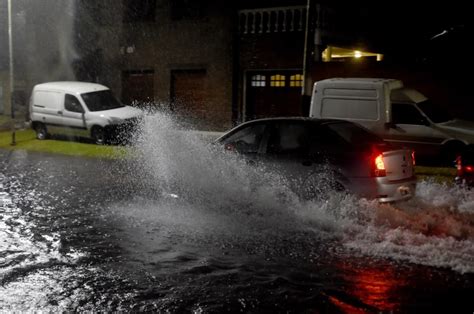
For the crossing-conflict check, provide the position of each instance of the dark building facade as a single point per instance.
(179, 55)
(270, 61)
(214, 63)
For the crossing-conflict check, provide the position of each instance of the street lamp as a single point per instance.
(10, 49)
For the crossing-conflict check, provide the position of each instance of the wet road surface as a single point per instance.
(87, 234)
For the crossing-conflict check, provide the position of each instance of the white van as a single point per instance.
(399, 115)
(79, 109)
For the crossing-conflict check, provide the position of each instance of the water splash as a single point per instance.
(435, 228)
(428, 230)
(185, 163)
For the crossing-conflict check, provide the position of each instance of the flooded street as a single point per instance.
(329, 98)
(168, 230)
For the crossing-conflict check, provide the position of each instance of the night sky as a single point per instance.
(403, 28)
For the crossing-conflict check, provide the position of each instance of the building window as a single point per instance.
(139, 11)
(258, 80)
(296, 80)
(277, 80)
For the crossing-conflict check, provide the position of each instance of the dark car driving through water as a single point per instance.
(319, 154)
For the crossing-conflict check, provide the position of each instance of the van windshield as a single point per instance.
(102, 100)
(434, 112)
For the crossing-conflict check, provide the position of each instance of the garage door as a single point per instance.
(137, 87)
(189, 95)
(273, 94)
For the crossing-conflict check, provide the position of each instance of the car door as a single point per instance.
(412, 129)
(291, 151)
(73, 116)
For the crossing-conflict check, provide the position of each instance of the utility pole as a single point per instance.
(307, 61)
(10, 50)
(318, 41)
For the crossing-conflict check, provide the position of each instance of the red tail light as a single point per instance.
(463, 169)
(378, 166)
(458, 163)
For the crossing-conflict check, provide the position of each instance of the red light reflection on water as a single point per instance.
(375, 287)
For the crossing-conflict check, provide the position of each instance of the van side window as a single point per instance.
(406, 114)
(71, 103)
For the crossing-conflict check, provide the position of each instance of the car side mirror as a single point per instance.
(237, 147)
(230, 147)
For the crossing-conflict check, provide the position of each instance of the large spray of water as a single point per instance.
(435, 228)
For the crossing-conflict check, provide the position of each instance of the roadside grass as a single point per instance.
(26, 140)
(437, 174)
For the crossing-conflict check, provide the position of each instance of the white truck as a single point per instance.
(80, 109)
(399, 115)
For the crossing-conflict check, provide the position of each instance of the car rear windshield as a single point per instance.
(102, 100)
(356, 137)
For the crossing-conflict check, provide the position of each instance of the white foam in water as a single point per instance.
(436, 228)
(429, 229)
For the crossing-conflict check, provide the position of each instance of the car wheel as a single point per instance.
(98, 135)
(41, 131)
